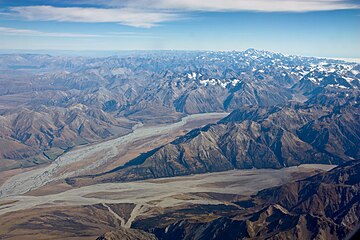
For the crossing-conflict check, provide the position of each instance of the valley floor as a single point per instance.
(166, 192)
(102, 156)
(38, 201)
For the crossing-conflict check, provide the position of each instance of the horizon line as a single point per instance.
(48, 51)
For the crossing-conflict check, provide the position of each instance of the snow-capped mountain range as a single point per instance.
(54, 101)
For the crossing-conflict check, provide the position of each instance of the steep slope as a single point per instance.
(325, 206)
(151, 87)
(260, 137)
(40, 135)
(127, 234)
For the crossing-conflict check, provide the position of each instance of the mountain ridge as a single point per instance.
(260, 137)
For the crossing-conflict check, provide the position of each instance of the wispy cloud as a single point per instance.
(126, 16)
(255, 5)
(228, 5)
(29, 32)
(149, 13)
(232, 5)
(35, 33)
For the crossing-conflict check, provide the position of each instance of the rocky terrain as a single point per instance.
(92, 158)
(127, 234)
(112, 209)
(253, 137)
(107, 148)
(325, 206)
(32, 137)
(322, 206)
(49, 104)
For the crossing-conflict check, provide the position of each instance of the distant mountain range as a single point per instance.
(49, 104)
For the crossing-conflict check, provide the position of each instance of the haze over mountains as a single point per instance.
(281, 111)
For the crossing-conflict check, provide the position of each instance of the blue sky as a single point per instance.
(328, 28)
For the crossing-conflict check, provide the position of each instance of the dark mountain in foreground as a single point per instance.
(325, 206)
(127, 234)
(253, 137)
